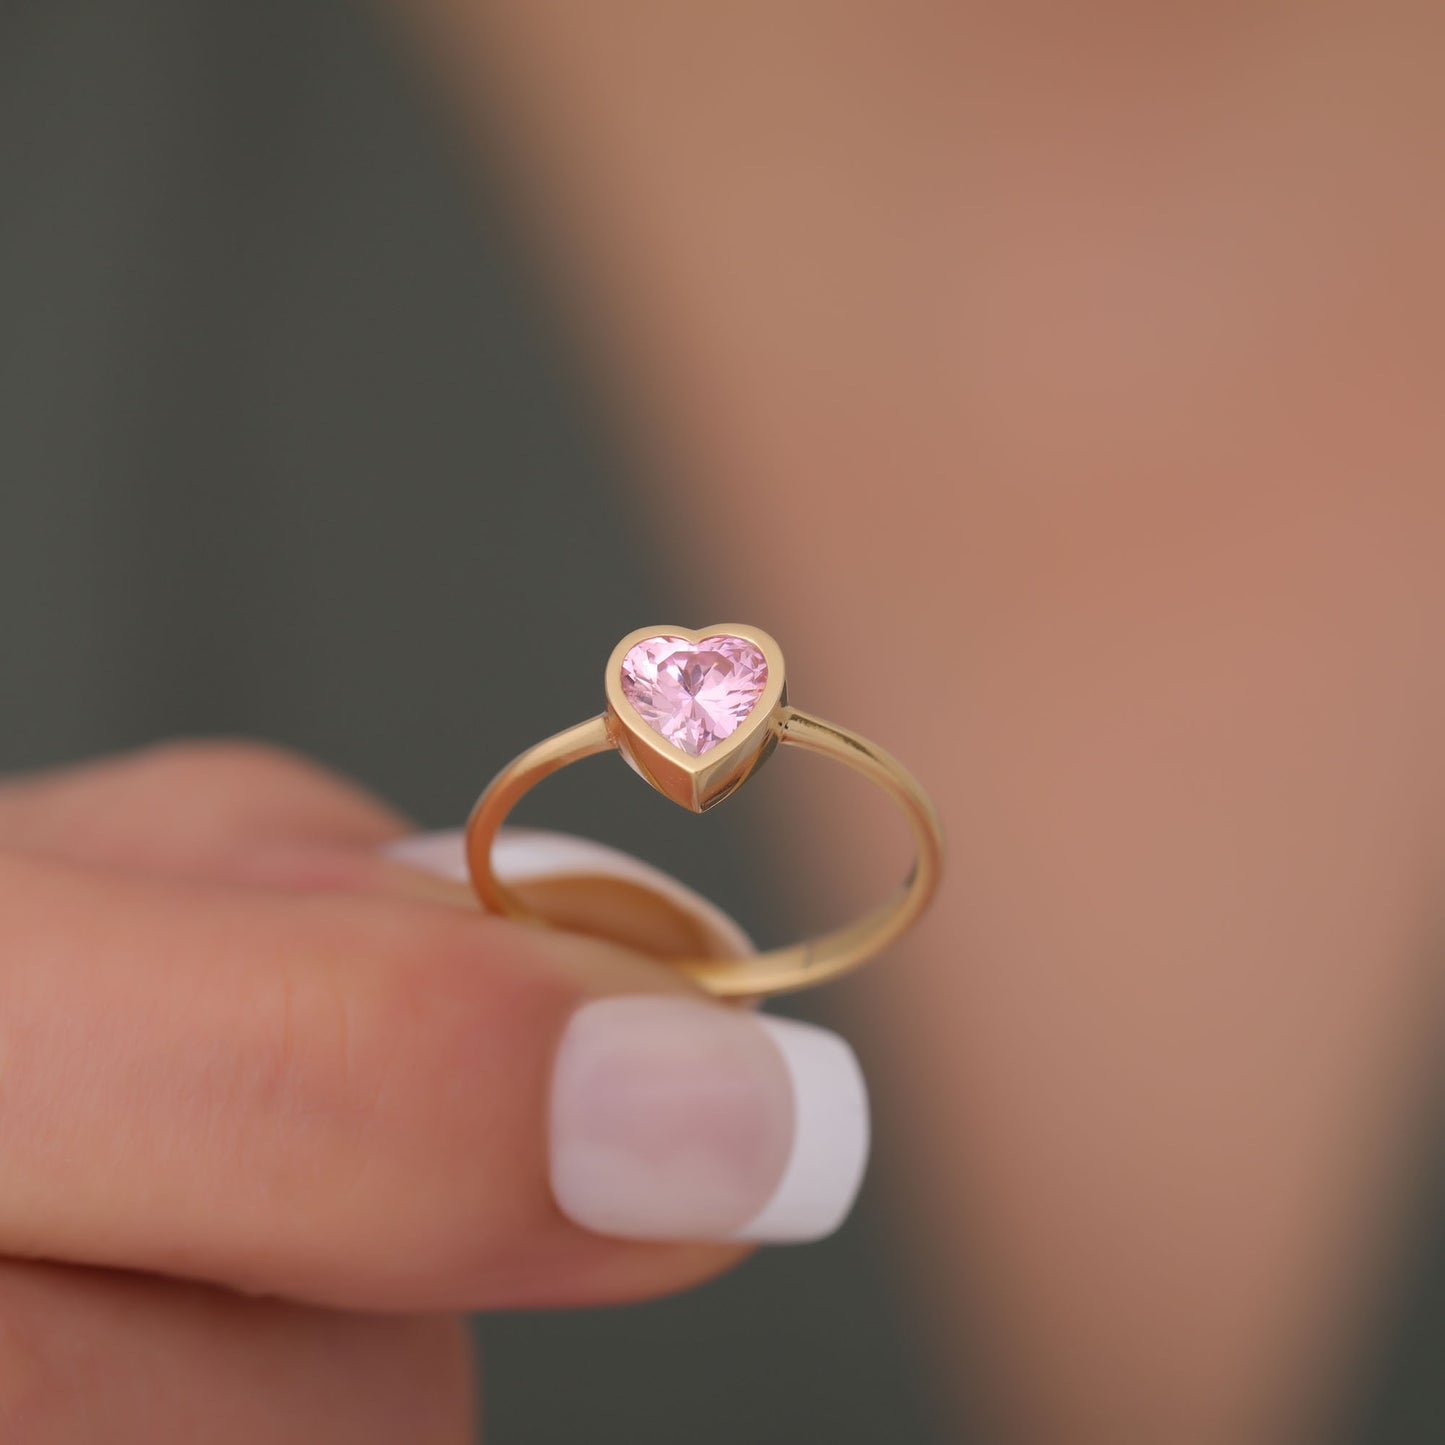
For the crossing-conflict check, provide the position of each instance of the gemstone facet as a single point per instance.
(694, 694)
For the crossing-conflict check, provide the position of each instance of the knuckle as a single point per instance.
(348, 1027)
(386, 1085)
(312, 1083)
(332, 1073)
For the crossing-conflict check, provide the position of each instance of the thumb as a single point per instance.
(587, 887)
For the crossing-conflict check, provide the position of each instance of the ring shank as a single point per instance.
(778, 970)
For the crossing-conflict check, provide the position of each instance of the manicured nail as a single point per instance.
(523, 855)
(673, 1118)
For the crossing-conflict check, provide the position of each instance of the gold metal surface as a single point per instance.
(697, 783)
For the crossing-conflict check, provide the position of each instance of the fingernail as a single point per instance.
(672, 1118)
(529, 855)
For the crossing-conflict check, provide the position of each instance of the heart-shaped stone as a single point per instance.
(694, 694)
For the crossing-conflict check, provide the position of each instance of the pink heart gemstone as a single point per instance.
(694, 693)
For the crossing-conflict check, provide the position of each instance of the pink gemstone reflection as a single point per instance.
(694, 694)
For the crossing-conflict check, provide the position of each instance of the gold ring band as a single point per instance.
(727, 682)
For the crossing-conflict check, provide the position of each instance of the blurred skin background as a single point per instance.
(1060, 384)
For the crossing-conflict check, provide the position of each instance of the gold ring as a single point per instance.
(696, 714)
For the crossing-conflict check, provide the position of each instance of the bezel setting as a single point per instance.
(698, 783)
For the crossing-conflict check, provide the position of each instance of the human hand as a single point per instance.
(275, 1111)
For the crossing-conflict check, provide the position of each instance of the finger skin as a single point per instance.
(337, 1098)
(217, 808)
(94, 1355)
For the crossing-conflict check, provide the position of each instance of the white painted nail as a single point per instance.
(523, 854)
(830, 1137)
(674, 1118)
